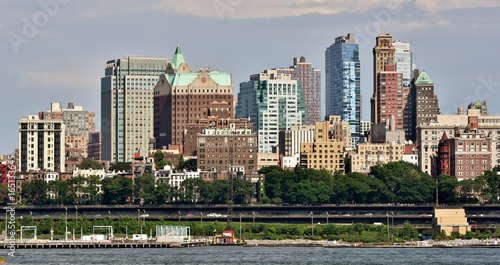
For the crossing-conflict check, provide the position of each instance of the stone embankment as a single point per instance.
(325, 243)
(286, 243)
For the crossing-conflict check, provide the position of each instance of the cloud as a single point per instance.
(241, 9)
(57, 79)
(435, 6)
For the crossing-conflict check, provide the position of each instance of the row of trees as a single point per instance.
(396, 182)
(122, 190)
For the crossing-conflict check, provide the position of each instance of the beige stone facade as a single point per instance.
(450, 220)
(370, 154)
(428, 135)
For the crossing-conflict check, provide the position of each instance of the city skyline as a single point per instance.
(56, 51)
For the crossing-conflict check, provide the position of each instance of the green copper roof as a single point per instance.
(223, 79)
(178, 58)
(181, 79)
(184, 79)
(423, 79)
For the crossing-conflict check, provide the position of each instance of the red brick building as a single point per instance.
(389, 98)
(182, 96)
(466, 155)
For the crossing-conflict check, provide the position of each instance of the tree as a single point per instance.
(88, 163)
(121, 166)
(92, 189)
(491, 191)
(468, 190)
(161, 164)
(162, 193)
(4, 194)
(159, 156)
(116, 190)
(144, 187)
(447, 189)
(180, 166)
(189, 165)
(242, 191)
(35, 192)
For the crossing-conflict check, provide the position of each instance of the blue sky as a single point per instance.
(56, 50)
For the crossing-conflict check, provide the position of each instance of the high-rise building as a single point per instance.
(389, 98)
(127, 105)
(182, 96)
(41, 144)
(383, 53)
(291, 138)
(422, 105)
(310, 79)
(403, 60)
(343, 87)
(236, 146)
(78, 123)
(274, 102)
(94, 146)
(327, 149)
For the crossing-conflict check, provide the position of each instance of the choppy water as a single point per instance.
(257, 255)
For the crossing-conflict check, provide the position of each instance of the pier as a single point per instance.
(41, 244)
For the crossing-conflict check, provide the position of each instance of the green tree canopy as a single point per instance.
(88, 163)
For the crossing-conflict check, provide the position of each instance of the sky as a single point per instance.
(56, 50)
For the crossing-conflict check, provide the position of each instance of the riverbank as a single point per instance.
(340, 244)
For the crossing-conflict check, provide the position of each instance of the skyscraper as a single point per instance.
(274, 102)
(127, 105)
(343, 88)
(389, 98)
(383, 52)
(422, 106)
(310, 79)
(182, 96)
(403, 60)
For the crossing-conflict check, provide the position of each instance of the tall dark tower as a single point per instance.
(383, 52)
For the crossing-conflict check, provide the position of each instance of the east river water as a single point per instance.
(257, 255)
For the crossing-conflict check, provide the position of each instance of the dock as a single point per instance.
(42, 244)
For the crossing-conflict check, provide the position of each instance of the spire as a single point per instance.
(423, 79)
(178, 58)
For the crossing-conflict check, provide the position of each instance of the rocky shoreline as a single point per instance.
(339, 244)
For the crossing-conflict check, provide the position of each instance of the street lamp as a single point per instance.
(76, 214)
(66, 234)
(312, 224)
(6, 223)
(240, 225)
(179, 216)
(387, 215)
(201, 219)
(392, 234)
(253, 213)
(138, 215)
(327, 217)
